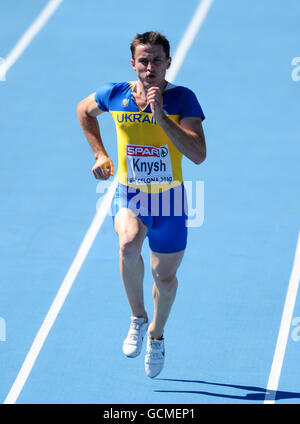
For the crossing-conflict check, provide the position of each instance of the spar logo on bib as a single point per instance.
(148, 164)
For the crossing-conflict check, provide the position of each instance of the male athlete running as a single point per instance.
(157, 122)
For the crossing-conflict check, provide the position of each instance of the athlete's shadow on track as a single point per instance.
(257, 393)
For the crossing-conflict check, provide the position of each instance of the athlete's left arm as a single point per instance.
(187, 136)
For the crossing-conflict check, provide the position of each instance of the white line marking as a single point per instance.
(62, 293)
(188, 38)
(28, 36)
(284, 329)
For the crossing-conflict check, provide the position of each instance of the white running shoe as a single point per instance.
(132, 345)
(155, 357)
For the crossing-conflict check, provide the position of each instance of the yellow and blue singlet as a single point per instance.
(149, 168)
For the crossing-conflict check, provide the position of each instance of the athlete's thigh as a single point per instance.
(128, 225)
(165, 265)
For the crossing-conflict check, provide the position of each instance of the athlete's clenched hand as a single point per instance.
(103, 168)
(155, 100)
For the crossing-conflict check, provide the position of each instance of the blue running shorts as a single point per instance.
(164, 214)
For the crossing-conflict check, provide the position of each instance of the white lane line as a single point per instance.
(28, 36)
(62, 293)
(284, 329)
(188, 38)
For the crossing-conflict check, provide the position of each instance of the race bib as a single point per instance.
(148, 164)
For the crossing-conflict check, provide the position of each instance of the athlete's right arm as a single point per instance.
(87, 112)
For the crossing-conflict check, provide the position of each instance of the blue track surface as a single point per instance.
(222, 332)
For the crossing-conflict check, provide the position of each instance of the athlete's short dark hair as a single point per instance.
(150, 37)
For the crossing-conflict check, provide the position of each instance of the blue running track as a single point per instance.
(223, 328)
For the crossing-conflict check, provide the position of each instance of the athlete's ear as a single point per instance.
(170, 61)
(132, 61)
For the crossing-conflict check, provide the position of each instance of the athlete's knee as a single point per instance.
(164, 280)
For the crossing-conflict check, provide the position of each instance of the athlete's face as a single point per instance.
(150, 63)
